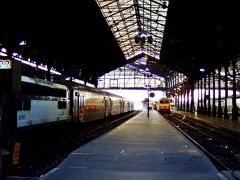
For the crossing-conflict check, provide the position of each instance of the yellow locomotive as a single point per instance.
(164, 105)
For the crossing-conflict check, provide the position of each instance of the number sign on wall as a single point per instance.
(5, 64)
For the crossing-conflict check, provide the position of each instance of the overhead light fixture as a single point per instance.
(142, 37)
(150, 39)
(164, 5)
(143, 34)
(4, 50)
(137, 39)
(22, 43)
(202, 70)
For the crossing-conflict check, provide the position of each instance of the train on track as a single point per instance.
(164, 105)
(44, 102)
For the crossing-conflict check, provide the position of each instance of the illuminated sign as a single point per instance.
(5, 64)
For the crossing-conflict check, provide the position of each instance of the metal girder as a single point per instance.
(130, 19)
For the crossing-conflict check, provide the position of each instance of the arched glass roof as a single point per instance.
(138, 25)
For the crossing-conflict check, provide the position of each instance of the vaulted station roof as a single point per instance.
(138, 26)
(177, 35)
(161, 35)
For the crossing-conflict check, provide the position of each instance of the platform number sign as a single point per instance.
(5, 64)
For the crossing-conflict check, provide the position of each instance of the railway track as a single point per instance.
(39, 155)
(221, 146)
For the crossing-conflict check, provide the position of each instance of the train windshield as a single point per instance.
(162, 101)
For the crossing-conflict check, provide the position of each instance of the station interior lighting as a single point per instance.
(164, 5)
(142, 37)
(29, 62)
(22, 43)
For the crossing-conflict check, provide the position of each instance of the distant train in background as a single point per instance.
(43, 102)
(164, 105)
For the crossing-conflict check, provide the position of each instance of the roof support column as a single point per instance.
(178, 103)
(192, 97)
(181, 103)
(214, 97)
(184, 99)
(234, 103)
(10, 80)
(205, 96)
(219, 93)
(175, 80)
(209, 95)
(201, 100)
(226, 116)
(188, 89)
(198, 99)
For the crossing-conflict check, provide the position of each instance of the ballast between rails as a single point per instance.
(219, 150)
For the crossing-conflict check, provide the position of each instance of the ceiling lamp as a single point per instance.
(164, 5)
(150, 39)
(141, 38)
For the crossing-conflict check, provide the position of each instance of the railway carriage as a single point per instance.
(41, 102)
(116, 105)
(44, 102)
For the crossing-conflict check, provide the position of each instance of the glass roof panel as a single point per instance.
(137, 25)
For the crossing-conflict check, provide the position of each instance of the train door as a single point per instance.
(106, 106)
(111, 106)
(121, 106)
(79, 107)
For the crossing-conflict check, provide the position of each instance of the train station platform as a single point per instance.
(142, 148)
(229, 124)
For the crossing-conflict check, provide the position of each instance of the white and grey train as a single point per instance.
(44, 102)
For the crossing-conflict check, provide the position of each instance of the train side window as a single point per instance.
(62, 104)
(37, 90)
(27, 104)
